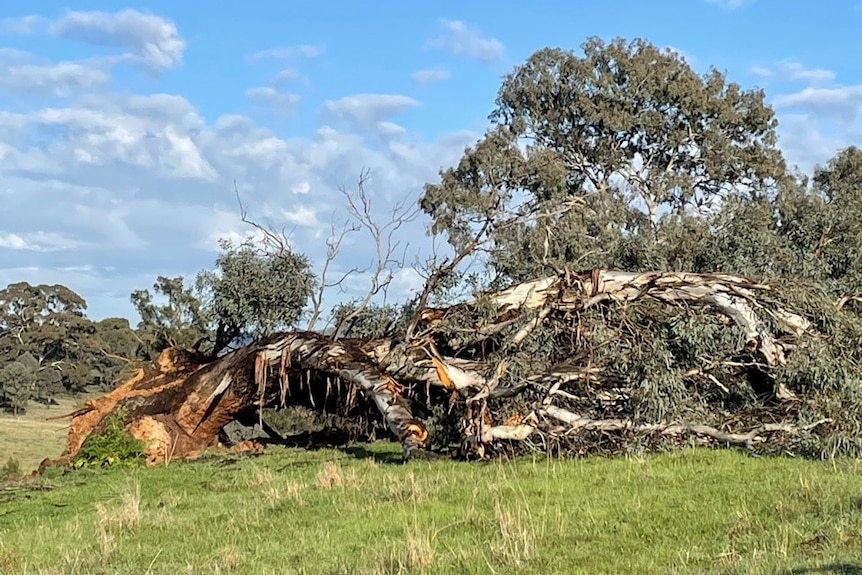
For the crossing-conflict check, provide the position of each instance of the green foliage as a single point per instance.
(45, 329)
(10, 470)
(624, 158)
(18, 382)
(112, 447)
(351, 319)
(254, 291)
(589, 157)
(179, 321)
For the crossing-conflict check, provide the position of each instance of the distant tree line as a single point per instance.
(48, 345)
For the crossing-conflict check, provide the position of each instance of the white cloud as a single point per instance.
(730, 4)
(36, 241)
(301, 188)
(134, 186)
(804, 143)
(13, 56)
(14, 242)
(227, 225)
(406, 282)
(283, 101)
(365, 111)
(390, 129)
(154, 40)
(793, 71)
(302, 216)
(431, 75)
(60, 79)
(21, 25)
(288, 52)
(463, 40)
(842, 102)
(288, 76)
(154, 132)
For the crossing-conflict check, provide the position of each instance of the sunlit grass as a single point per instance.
(293, 511)
(31, 437)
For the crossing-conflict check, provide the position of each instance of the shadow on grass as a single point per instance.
(829, 569)
(349, 445)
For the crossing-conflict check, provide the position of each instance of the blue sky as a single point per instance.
(123, 128)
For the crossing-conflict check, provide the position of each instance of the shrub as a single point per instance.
(113, 447)
(11, 470)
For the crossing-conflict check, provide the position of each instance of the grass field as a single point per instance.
(359, 510)
(29, 438)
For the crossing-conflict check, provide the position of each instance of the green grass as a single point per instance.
(357, 511)
(29, 438)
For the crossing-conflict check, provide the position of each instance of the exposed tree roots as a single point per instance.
(465, 370)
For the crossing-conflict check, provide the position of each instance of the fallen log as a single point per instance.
(530, 360)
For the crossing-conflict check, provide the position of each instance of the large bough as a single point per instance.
(179, 407)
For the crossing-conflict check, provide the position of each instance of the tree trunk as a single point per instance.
(179, 406)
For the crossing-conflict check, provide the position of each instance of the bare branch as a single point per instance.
(495, 220)
(333, 246)
(277, 240)
(383, 236)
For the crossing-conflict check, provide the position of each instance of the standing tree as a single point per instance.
(178, 322)
(45, 328)
(17, 384)
(839, 184)
(588, 155)
(255, 291)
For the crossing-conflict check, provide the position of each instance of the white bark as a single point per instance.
(579, 423)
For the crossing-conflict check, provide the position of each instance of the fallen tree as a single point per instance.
(596, 361)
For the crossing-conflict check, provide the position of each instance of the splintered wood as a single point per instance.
(179, 407)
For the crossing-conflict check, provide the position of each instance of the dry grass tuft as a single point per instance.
(419, 550)
(113, 520)
(330, 476)
(516, 539)
(10, 561)
(260, 476)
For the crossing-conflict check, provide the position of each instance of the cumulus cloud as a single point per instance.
(366, 111)
(60, 79)
(153, 40)
(288, 76)
(793, 71)
(302, 216)
(143, 185)
(842, 103)
(431, 75)
(138, 131)
(804, 143)
(390, 129)
(222, 224)
(21, 24)
(288, 52)
(407, 281)
(282, 101)
(39, 241)
(730, 4)
(463, 40)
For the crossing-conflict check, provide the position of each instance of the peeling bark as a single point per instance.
(180, 406)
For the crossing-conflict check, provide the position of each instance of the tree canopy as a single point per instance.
(600, 159)
(47, 344)
(254, 292)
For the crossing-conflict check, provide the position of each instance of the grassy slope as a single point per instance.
(29, 438)
(355, 511)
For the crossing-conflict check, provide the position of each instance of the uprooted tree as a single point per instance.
(644, 270)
